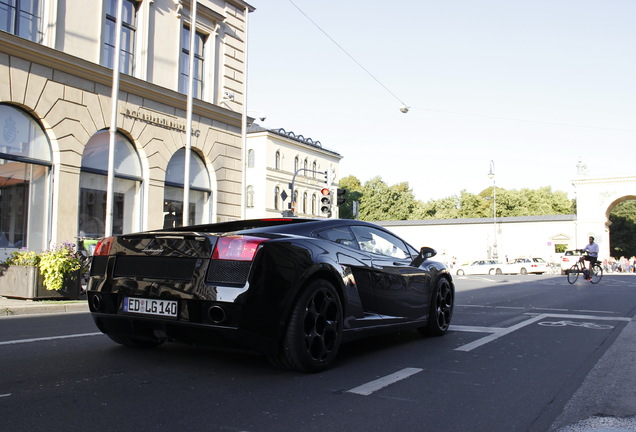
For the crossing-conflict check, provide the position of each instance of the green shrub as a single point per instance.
(55, 264)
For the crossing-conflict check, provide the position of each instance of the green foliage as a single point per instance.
(55, 264)
(354, 193)
(379, 201)
(23, 257)
(623, 229)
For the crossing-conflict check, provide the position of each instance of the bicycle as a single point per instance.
(580, 267)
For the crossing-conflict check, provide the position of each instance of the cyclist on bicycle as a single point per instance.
(591, 256)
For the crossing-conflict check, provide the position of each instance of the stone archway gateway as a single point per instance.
(595, 199)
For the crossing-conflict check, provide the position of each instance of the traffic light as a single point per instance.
(325, 201)
(340, 196)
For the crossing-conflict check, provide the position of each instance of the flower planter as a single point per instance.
(26, 282)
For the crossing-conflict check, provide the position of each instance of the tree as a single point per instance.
(379, 201)
(354, 193)
(623, 229)
(383, 202)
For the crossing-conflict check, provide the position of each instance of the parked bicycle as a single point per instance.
(84, 248)
(580, 267)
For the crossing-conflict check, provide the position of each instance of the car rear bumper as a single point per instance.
(198, 323)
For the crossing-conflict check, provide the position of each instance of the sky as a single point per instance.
(532, 86)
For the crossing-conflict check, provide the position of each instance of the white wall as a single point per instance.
(470, 239)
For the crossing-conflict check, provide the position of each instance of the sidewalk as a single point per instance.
(14, 307)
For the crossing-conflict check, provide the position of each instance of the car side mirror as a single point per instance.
(425, 253)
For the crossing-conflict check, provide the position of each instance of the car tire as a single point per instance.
(460, 272)
(135, 342)
(523, 271)
(314, 331)
(441, 309)
(499, 271)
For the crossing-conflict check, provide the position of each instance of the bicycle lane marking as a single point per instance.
(497, 332)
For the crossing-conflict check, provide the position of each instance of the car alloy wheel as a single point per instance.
(314, 330)
(441, 309)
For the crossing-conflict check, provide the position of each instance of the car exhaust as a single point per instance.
(96, 302)
(217, 314)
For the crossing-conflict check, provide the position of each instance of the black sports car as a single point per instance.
(292, 289)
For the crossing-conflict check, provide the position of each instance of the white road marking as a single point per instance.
(370, 387)
(497, 332)
(475, 329)
(21, 341)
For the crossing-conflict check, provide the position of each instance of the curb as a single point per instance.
(18, 308)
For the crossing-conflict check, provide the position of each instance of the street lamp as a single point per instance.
(491, 175)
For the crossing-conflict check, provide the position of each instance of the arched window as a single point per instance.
(94, 185)
(25, 181)
(249, 197)
(276, 195)
(314, 168)
(277, 161)
(305, 203)
(296, 164)
(250, 158)
(313, 204)
(305, 166)
(200, 193)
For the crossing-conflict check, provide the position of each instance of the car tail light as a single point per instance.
(103, 246)
(237, 248)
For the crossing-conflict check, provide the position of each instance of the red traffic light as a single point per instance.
(325, 191)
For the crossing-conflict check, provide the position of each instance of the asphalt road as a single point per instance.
(523, 354)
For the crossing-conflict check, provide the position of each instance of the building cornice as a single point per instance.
(604, 180)
(58, 60)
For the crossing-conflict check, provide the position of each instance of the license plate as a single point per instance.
(165, 308)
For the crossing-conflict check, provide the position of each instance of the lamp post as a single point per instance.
(491, 175)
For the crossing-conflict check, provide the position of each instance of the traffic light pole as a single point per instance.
(289, 212)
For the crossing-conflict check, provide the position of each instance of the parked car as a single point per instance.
(480, 267)
(569, 258)
(527, 266)
(292, 289)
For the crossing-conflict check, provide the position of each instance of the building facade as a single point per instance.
(56, 69)
(275, 159)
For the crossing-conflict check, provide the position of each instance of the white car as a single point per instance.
(480, 267)
(569, 258)
(527, 265)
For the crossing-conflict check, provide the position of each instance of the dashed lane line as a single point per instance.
(21, 341)
(370, 387)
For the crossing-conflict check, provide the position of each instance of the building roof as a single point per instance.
(466, 221)
(255, 128)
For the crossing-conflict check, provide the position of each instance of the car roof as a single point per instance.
(292, 225)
